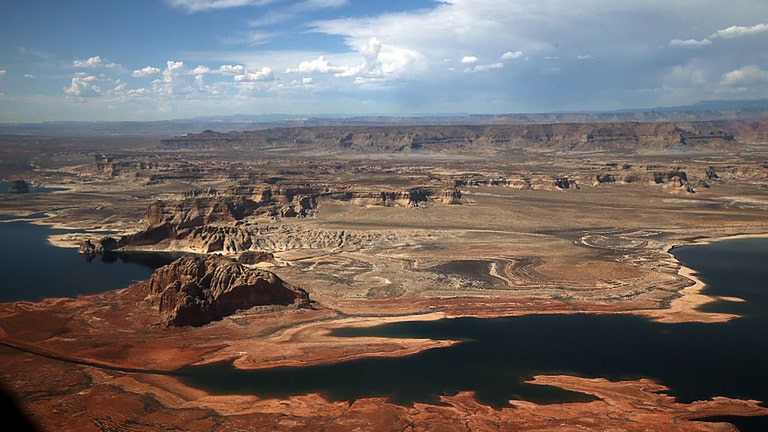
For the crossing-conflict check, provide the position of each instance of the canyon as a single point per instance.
(293, 233)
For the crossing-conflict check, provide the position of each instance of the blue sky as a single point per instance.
(167, 59)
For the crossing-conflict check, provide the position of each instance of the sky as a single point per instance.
(101, 60)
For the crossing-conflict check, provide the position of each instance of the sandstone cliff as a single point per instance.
(193, 291)
(613, 136)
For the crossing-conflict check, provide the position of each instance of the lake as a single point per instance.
(33, 269)
(697, 361)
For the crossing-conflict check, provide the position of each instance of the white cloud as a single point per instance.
(146, 72)
(371, 65)
(192, 6)
(30, 76)
(738, 31)
(749, 75)
(319, 65)
(175, 80)
(3, 72)
(93, 62)
(264, 74)
(526, 58)
(231, 69)
(83, 85)
(509, 55)
(727, 33)
(689, 43)
(201, 70)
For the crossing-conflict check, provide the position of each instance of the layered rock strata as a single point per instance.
(194, 291)
(609, 136)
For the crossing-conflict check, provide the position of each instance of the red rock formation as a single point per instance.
(195, 291)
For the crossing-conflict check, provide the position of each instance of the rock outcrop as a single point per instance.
(560, 136)
(105, 244)
(194, 291)
(18, 187)
(416, 197)
(255, 257)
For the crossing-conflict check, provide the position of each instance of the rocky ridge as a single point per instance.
(234, 223)
(613, 136)
(194, 291)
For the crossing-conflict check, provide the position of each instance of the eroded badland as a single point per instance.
(375, 225)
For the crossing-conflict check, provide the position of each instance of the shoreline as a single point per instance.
(681, 309)
(685, 307)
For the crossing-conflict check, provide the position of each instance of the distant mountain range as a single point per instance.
(700, 111)
(712, 105)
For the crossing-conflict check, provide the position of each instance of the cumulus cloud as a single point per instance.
(93, 62)
(372, 62)
(201, 70)
(231, 69)
(509, 55)
(319, 65)
(30, 76)
(457, 55)
(371, 65)
(147, 72)
(175, 80)
(749, 75)
(83, 85)
(263, 74)
(3, 72)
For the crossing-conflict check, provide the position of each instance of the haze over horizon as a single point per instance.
(158, 60)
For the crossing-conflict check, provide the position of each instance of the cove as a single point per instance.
(32, 269)
(696, 361)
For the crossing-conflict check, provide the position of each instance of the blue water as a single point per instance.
(697, 361)
(32, 269)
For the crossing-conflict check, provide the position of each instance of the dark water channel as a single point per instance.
(32, 269)
(697, 361)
